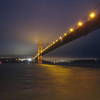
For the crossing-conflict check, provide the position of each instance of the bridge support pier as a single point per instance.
(40, 48)
(40, 59)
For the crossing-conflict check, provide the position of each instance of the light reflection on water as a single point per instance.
(46, 82)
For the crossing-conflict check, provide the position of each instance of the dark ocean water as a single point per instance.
(48, 82)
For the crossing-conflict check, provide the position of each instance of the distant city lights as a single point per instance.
(29, 59)
(25, 59)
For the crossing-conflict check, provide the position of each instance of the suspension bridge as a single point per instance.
(82, 28)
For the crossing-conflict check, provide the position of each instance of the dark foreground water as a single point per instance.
(48, 82)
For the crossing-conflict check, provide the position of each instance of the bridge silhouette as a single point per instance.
(82, 29)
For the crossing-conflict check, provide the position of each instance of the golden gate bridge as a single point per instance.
(82, 28)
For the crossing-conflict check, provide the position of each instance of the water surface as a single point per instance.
(48, 82)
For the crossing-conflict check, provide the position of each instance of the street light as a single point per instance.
(53, 42)
(92, 15)
(80, 23)
(60, 38)
(56, 40)
(65, 34)
(71, 29)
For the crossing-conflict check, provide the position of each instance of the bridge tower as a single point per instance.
(40, 48)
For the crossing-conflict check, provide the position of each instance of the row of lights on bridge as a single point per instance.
(92, 15)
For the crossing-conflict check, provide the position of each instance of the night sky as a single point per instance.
(25, 22)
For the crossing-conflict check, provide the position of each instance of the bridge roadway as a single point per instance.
(88, 27)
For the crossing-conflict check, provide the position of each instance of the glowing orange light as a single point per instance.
(56, 40)
(71, 29)
(53, 42)
(65, 34)
(92, 15)
(60, 38)
(47, 47)
(80, 23)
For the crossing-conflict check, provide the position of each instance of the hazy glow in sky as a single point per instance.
(25, 22)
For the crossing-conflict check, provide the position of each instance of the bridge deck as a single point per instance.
(88, 27)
